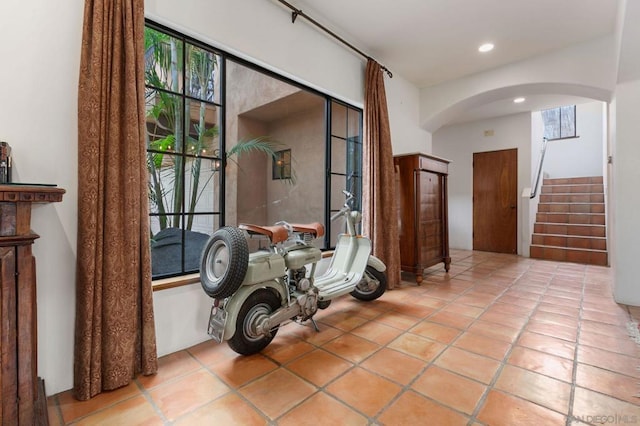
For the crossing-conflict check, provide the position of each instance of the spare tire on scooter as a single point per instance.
(224, 262)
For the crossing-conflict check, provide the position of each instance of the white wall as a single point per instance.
(625, 178)
(38, 118)
(537, 135)
(581, 156)
(403, 101)
(458, 143)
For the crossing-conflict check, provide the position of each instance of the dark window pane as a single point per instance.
(282, 165)
(202, 122)
(163, 60)
(338, 156)
(176, 250)
(202, 183)
(165, 186)
(354, 120)
(338, 120)
(164, 123)
(338, 226)
(551, 119)
(568, 121)
(202, 78)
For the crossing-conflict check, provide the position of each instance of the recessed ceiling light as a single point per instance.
(487, 47)
(518, 100)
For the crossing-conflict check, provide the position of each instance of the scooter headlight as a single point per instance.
(356, 216)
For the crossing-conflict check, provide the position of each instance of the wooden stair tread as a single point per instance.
(569, 236)
(582, 203)
(574, 180)
(569, 248)
(572, 224)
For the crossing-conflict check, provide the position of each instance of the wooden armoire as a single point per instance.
(23, 397)
(422, 207)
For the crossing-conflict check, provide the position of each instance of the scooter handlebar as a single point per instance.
(346, 207)
(340, 213)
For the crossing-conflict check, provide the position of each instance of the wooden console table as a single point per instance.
(23, 398)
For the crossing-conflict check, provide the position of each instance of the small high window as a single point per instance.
(559, 123)
(282, 165)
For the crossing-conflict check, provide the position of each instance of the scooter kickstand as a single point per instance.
(315, 325)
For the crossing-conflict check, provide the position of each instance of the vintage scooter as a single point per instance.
(256, 293)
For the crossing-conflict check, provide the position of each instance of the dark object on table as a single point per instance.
(5, 162)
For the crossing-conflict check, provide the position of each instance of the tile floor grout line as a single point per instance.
(431, 363)
(145, 393)
(355, 365)
(235, 390)
(481, 402)
(323, 388)
(56, 402)
(572, 384)
(576, 351)
(100, 409)
(407, 387)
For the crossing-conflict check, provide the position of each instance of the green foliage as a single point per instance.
(172, 121)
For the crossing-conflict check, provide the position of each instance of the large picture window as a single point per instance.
(218, 128)
(559, 123)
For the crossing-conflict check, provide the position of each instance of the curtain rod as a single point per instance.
(298, 12)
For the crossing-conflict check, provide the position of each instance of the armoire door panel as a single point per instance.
(424, 239)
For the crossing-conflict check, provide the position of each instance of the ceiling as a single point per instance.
(429, 42)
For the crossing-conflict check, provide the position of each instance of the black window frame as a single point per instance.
(353, 179)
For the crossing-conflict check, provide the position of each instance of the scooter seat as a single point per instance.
(276, 233)
(316, 228)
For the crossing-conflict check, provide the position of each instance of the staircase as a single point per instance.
(570, 223)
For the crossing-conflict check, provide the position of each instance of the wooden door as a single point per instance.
(495, 201)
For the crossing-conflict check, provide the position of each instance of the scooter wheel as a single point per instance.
(224, 262)
(372, 285)
(260, 304)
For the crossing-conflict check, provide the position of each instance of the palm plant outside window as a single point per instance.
(183, 145)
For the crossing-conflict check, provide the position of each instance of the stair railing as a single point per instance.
(536, 182)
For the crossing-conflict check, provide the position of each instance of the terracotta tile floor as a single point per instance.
(500, 340)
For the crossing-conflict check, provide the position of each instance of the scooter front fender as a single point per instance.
(376, 263)
(234, 303)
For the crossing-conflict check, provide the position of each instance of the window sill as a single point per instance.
(565, 138)
(167, 283)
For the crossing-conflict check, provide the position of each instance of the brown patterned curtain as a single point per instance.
(379, 201)
(114, 335)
